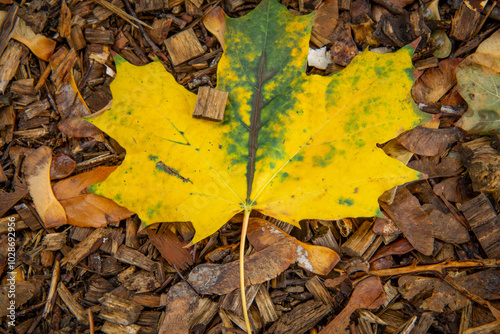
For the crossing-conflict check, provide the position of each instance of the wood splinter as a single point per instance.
(210, 104)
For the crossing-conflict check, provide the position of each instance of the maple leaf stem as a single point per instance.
(244, 229)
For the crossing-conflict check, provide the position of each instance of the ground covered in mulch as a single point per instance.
(77, 262)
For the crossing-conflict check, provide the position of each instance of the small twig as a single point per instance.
(155, 48)
(121, 13)
(91, 321)
(437, 267)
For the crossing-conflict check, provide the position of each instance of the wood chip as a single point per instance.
(210, 104)
(183, 46)
(485, 223)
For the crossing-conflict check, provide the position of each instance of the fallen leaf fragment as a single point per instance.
(293, 173)
(316, 259)
(259, 267)
(40, 45)
(37, 173)
(412, 220)
(435, 82)
(368, 294)
(88, 210)
(442, 293)
(479, 86)
(485, 283)
(78, 128)
(401, 246)
(215, 22)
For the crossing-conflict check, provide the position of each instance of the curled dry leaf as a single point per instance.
(430, 142)
(317, 259)
(62, 166)
(78, 128)
(40, 45)
(412, 220)
(437, 166)
(181, 304)
(368, 294)
(451, 189)
(435, 82)
(88, 209)
(37, 173)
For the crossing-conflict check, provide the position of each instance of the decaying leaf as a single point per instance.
(24, 291)
(412, 220)
(40, 45)
(291, 146)
(84, 209)
(37, 173)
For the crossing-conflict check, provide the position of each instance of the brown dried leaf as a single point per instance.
(442, 293)
(90, 210)
(9, 199)
(37, 173)
(401, 246)
(317, 259)
(75, 186)
(437, 166)
(451, 189)
(435, 82)
(62, 166)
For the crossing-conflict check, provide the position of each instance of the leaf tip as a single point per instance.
(119, 60)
